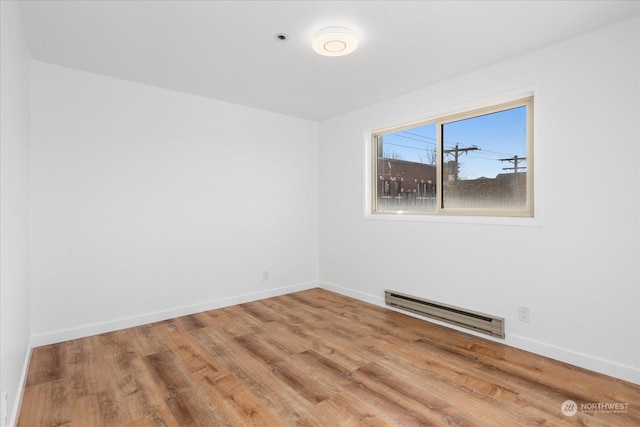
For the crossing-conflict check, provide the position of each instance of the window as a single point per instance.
(477, 162)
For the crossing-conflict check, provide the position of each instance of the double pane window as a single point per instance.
(474, 163)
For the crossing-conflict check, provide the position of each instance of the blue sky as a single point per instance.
(497, 135)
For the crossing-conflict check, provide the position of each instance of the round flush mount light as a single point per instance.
(335, 41)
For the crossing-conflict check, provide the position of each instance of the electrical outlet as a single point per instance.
(523, 314)
(265, 276)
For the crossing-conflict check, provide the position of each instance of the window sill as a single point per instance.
(455, 219)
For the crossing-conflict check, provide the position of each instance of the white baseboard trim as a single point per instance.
(592, 363)
(373, 299)
(13, 418)
(129, 322)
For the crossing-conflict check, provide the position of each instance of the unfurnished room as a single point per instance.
(319, 213)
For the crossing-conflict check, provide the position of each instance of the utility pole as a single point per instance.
(456, 153)
(514, 160)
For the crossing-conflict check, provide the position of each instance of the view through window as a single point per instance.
(478, 162)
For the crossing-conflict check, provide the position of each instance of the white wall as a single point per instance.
(577, 270)
(148, 203)
(14, 206)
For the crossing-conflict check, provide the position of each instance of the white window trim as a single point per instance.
(528, 221)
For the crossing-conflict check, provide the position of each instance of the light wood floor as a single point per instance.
(311, 358)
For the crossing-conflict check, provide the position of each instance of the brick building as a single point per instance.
(404, 185)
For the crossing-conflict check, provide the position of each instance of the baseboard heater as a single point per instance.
(473, 320)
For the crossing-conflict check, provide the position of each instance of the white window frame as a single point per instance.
(524, 216)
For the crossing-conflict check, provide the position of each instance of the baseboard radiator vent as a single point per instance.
(479, 322)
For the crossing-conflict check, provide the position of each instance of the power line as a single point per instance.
(414, 139)
(456, 152)
(417, 134)
(446, 144)
(405, 146)
(489, 157)
(514, 160)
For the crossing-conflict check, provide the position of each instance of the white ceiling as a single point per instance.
(227, 50)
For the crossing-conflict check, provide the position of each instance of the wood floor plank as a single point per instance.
(56, 411)
(146, 340)
(47, 365)
(312, 358)
(77, 365)
(347, 410)
(191, 355)
(97, 410)
(132, 379)
(539, 390)
(234, 401)
(372, 390)
(283, 370)
(226, 322)
(476, 383)
(157, 417)
(258, 377)
(185, 402)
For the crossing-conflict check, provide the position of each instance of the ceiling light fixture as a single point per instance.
(335, 41)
